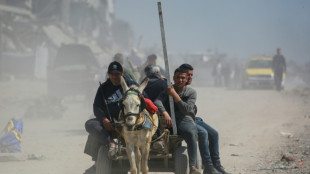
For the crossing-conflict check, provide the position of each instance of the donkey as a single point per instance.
(138, 128)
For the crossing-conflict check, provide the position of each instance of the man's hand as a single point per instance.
(171, 91)
(168, 119)
(108, 125)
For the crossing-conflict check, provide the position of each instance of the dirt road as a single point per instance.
(249, 123)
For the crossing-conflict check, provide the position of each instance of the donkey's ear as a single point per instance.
(143, 85)
(124, 85)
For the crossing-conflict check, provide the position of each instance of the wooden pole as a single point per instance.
(162, 29)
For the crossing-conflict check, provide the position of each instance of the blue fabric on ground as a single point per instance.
(10, 141)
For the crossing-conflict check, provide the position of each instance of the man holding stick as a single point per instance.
(208, 138)
(184, 101)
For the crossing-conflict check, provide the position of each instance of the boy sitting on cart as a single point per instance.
(184, 100)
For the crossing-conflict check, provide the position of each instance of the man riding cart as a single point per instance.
(101, 145)
(106, 109)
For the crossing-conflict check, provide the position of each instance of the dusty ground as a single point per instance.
(251, 124)
(256, 127)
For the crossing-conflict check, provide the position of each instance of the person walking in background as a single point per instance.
(217, 73)
(226, 72)
(278, 67)
(118, 57)
(151, 60)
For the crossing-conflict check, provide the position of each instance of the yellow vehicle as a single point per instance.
(258, 72)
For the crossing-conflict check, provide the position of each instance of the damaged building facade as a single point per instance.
(31, 32)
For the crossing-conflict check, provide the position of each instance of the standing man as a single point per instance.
(278, 67)
(184, 101)
(217, 73)
(208, 138)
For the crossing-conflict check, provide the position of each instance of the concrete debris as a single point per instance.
(16, 10)
(35, 157)
(287, 134)
(240, 144)
(287, 158)
(57, 36)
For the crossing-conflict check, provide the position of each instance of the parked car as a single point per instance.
(258, 73)
(73, 72)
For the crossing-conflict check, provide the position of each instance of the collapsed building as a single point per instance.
(31, 32)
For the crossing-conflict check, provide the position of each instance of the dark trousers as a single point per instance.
(97, 136)
(208, 141)
(278, 75)
(188, 130)
(158, 131)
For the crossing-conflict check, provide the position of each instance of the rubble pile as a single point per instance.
(292, 155)
(26, 26)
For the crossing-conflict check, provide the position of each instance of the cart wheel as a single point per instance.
(104, 163)
(181, 160)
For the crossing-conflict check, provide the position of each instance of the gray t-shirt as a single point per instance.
(183, 109)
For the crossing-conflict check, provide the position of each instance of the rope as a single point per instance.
(165, 132)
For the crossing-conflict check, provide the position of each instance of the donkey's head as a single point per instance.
(133, 103)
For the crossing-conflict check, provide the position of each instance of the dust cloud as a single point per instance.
(53, 57)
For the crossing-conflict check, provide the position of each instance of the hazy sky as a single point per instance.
(240, 28)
